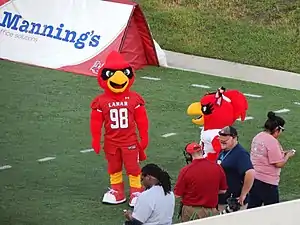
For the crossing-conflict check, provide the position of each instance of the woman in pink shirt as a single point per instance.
(268, 158)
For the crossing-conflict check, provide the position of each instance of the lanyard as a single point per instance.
(222, 157)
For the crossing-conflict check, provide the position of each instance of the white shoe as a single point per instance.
(113, 197)
(133, 198)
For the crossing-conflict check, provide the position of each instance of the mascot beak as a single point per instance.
(118, 82)
(195, 110)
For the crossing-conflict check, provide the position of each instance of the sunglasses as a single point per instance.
(227, 135)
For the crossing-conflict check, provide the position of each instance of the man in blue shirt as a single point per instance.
(238, 168)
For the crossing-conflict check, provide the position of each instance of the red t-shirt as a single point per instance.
(118, 113)
(199, 183)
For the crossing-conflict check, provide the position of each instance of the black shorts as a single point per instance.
(263, 194)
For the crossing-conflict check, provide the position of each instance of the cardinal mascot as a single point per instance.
(121, 111)
(215, 111)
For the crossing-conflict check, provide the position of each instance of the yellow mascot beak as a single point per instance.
(195, 110)
(118, 82)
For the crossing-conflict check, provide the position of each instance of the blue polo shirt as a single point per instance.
(235, 164)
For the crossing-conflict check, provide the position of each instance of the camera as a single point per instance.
(232, 206)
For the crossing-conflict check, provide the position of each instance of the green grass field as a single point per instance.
(45, 113)
(264, 33)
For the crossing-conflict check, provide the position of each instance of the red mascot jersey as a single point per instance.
(119, 117)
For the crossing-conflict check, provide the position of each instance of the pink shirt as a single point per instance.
(265, 151)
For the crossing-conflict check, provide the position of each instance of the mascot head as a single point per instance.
(219, 109)
(116, 75)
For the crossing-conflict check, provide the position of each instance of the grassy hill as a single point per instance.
(264, 33)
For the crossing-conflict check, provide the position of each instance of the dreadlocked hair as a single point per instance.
(161, 175)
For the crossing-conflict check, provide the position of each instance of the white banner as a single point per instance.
(58, 33)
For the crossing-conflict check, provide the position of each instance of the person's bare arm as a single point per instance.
(287, 155)
(248, 182)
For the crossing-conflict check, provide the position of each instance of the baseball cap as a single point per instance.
(228, 131)
(193, 147)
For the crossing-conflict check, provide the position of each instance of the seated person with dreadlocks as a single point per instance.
(199, 184)
(156, 204)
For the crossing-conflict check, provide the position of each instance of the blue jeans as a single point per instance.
(263, 193)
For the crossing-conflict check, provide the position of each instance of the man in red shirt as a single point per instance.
(121, 111)
(199, 184)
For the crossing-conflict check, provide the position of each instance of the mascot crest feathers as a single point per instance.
(116, 75)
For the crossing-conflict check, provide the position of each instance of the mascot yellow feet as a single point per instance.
(115, 195)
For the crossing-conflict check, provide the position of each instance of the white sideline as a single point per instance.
(252, 95)
(46, 159)
(87, 150)
(286, 213)
(150, 78)
(227, 69)
(168, 134)
(246, 118)
(281, 111)
(5, 167)
(200, 86)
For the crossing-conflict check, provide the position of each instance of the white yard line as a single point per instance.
(246, 118)
(150, 78)
(297, 103)
(87, 150)
(200, 86)
(252, 95)
(46, 159)
(5, 167)
(281, 111)
(168, 134)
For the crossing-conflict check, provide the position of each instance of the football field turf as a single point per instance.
(45, 113)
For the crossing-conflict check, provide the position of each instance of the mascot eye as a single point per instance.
(207, 109)
(127, 72)
(109, 73)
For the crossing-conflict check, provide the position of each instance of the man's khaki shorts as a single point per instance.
(194, 213)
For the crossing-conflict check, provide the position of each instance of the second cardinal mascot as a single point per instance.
(121, 111)
(215, 111)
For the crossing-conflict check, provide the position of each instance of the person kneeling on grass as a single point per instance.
(156, 204)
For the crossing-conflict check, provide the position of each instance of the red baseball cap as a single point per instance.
(193, 147)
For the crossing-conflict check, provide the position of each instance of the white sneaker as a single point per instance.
(133, 198)
(113, 197)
